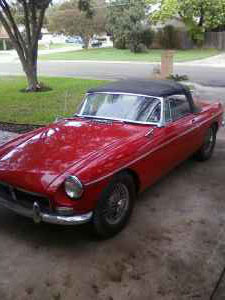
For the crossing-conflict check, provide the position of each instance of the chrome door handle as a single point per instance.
(149, 133)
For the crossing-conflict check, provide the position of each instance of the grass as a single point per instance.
(112, 54)
(43, 107)
(54, 46)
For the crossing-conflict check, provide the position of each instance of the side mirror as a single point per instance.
(58, 118)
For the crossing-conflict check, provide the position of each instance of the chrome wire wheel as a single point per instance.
(117, 204)
(206, 151)
(209, 141)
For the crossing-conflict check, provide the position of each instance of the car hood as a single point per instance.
(36, 162)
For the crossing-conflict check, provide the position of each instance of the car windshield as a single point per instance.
(123, 107)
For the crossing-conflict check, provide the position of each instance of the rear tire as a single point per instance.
(115, 206)
(206, 151)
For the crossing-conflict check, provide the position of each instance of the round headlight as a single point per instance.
(73, 187)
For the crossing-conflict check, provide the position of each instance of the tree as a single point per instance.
(32, 13)
(127, 23)
(70, 20)
(198, 15)
(116, 23)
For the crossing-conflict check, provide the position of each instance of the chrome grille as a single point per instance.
(24, 198)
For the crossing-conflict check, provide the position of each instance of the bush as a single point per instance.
(138, 48)
(169, 37)
(197, 35)
(178, 77)
(140, 40)
(147, 37)
(120, 43)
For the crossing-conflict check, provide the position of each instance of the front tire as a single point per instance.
(206, 151)
(115, 206)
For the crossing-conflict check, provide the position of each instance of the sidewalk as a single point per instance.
(214, 61)
(11, 55)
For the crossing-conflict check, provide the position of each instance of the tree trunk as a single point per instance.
(86, 40)
(32, 80)
(26, 45)
(86, 43)
(30, 69)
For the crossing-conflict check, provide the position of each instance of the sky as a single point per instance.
(58, 1)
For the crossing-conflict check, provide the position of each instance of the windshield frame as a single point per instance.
(159, 124)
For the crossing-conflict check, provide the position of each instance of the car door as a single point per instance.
(173, 142)
(181, 129)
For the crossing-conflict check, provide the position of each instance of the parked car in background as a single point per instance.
(74, 40)
(105, 40)
(91, 167)
(95, 43)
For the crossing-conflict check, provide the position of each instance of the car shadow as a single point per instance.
(23, 230)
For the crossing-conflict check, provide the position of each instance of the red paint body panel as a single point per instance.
(40, 161)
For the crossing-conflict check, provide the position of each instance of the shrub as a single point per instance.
(120, 43)
(196, 34)
(140, 40)
(178, 77)
(147, 37)
(138, 48)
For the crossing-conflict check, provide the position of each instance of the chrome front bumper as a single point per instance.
(38, 216)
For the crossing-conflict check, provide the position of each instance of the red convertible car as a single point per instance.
(90, 167)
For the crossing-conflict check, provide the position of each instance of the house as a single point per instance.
(4, 37)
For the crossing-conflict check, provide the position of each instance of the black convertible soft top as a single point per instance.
(157, 88)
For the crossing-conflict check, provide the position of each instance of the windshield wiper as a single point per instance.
(94, 119)
(83, 117)
(104, 121)
(100, 119)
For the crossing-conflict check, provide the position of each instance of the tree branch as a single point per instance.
(202, 17)
(16, 31)
(33, 17)
(14, 40)
(27, 21)
(40, 22)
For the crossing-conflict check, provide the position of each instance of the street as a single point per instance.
(203, 74)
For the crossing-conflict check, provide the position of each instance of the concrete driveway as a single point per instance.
(173, 247)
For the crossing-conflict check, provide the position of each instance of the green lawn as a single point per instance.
(43, 107)
(111, 54)
(54, 46)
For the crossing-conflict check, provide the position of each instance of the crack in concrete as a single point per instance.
(218, 285)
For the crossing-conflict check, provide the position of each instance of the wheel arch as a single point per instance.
(135, 177)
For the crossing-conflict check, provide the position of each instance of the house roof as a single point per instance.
(157, 88)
